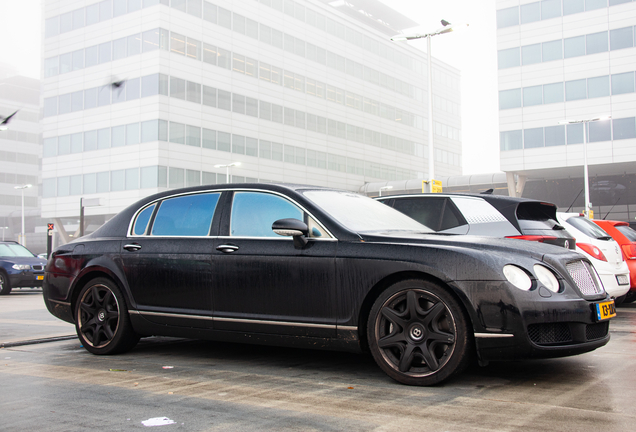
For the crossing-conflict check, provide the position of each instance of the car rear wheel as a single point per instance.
(418, 333)
(5, 284)
(101, 319)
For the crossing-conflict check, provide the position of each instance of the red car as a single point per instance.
(625, 236)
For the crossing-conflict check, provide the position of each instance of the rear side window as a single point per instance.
(253, 214)
(588, 227)
(534, 215)
(627, 232)
(189, 215)
(476, 210)
(436, 213)
(141, 223)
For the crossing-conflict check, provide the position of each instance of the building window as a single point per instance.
(598, 86)
(510, 140)
(554, 135)
(510, 99)
(531, 54)
(596, 43)
(508, 58)
(530, 12)
(553, 93)
(574, 46)
(575, 90)
(532, 96)
(624, 128)
(552, 50)
(623, 83)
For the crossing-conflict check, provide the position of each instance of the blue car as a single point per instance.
(19, 267)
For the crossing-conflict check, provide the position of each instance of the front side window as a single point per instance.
(189, 215)
(253, 214)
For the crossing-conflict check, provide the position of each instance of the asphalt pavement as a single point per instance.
(207, 386)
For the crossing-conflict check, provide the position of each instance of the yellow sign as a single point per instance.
(436, 186)
(591, 212)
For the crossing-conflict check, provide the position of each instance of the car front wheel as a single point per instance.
(418, 333)
(101, 319)
(5, 284)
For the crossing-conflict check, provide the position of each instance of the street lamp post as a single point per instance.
(227, 169)
(384, 188)
(586, 182)
(429, 67)
(3, 228)
(22, 233)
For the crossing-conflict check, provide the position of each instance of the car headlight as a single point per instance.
(517, 277)
(547, 278)
(21, 266)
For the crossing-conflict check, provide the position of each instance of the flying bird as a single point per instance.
(6, 119)
(117, 84)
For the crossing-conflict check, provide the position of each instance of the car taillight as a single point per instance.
(592, 250)
(629, 250)
(537, 238)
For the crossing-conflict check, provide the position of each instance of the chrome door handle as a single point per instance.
(227, 248)
(132, 247)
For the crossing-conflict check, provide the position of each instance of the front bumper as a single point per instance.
(26, 279)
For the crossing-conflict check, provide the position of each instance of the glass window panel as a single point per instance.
(119, 48)
(510, 140)
(251, 28)
(553, 93)
(77, 101)
(163, 130)
(209, 139)
(248, 222)
(622, 38)
(193, 92)
(265, 149)
(531, 54)
(66, 63)
(209, 53)
(238, 63)
(118, 136)
(76, 184)
(90, 140)
(52, 27)
(510, 99)
(132, 89)
(530, 12)
(177, 133)
(90, 183)
(193, 136)
(177, 87)
(78, 18)
(103, 95)
(91, 56)
(103, 138)
(149, 131)
(78, 59)
(574, 133)
(119, 93)
(150, 85)
(150, 40)
(132, 134)
(209, 96)
(554, 135)
(623, 83)
(104, 52)
(224, 18)
(105, 10)
(118, 180)
(64, 104)
(119, 7)
(64, 145)
(595, 4)
(223, 141)
(66, 22)
(149, 177)
(178, 5)
(194, 8)
(189, 215)
(574, 46)
(90, 98)
(132, 178)
(596, 43)
(176, 177)
(50, 106)
(51, 67)
(552, 50)
(251, 107)
(533, 138)
(193, 178)
(239, 24)
(251, 147)
(208, 178)
(133, 44)
(134, 5)
(289, 153)
(550, 9)
(532, 96)
(573, 6)
(63, 186)
(224, 58)
(177, 43)
(193, 49)
(238, 144)
(575, 90)
(103, 182)
(209, 12)
(224, 100)
(277, 151)
(598, 87)
(615, 2)
(508, 58)
(624, 128)
(49, 147)
(600, 131)
(92, 14)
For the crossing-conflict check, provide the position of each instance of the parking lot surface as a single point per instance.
(201, 386)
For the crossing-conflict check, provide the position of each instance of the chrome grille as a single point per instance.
(585, 277)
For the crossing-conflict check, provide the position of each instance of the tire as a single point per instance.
(5, 284)
(620, 300)
(101, 319)
(418, 333)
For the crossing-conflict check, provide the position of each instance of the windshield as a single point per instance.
(14, 250)
(588, 227)
(363, 214)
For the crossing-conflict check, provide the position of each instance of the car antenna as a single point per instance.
(487, 192)
(610, 210)
(574, 200)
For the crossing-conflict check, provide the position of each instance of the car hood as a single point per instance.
(24, 260)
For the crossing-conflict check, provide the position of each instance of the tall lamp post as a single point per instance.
(448, 27)
(586, 182)
(227, 169)
(22, 234)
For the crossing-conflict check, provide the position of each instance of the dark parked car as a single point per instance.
(485, 215)
(322, 268)
(19, 267)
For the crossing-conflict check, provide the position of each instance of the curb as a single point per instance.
(36, 341)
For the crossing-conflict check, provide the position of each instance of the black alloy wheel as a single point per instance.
(418, 333)
(5, 284)
(101, 319)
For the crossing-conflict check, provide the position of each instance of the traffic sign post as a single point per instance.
(49, 239)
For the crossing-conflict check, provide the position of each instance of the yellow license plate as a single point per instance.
(605, 310)
(41, 277)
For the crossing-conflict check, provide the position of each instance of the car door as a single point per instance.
(262, 282)
(167, 260)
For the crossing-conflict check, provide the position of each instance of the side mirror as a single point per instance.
(292, 227)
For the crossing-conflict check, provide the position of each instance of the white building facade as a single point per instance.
(296, 91)
(569, 60)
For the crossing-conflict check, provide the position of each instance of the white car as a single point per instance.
(603, 251)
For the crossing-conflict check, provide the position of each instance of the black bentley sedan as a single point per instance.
(322, 268)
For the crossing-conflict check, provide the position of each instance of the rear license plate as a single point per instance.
(605, 310)
(622, 279)
(41, 277)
